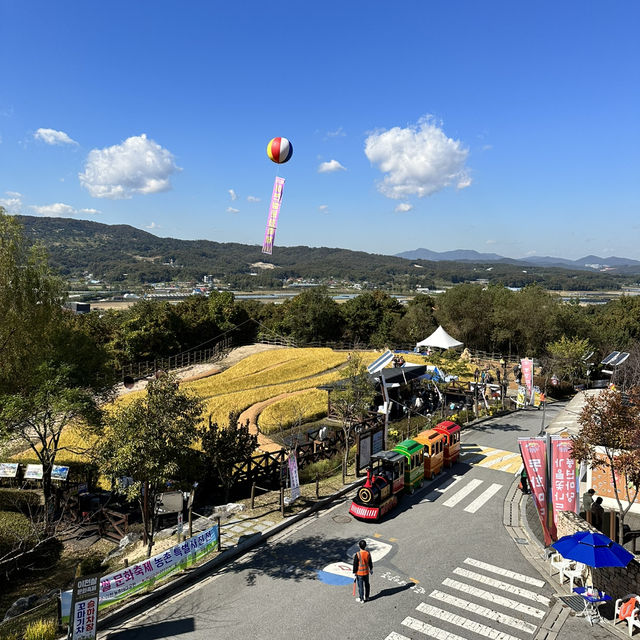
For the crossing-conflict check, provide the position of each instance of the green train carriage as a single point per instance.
(414, 469)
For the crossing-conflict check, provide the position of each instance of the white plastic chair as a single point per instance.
(559, 564)
(574, 574)
(616, 618)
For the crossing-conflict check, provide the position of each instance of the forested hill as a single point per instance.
(121, 253)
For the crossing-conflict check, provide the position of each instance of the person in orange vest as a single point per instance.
(362, 567)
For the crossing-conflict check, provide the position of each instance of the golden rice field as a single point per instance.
(288, 412)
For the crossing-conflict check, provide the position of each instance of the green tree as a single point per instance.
(566, 358)
(313, 316)
(610, 439)
(416, 323)
(226, 446)
(149, 440)
(351, 400)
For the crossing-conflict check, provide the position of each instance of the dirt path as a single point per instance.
(252, 414)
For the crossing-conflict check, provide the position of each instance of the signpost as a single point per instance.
(83, 623)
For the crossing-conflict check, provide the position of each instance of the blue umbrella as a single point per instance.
(593, 549)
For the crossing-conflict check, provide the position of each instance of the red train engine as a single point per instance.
(385, 482)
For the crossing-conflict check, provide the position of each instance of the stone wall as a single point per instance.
(615, 581)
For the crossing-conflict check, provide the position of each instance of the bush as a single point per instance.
(14, 528)
(19, 500)
(41, 630)
(90, 565)
(322, 468)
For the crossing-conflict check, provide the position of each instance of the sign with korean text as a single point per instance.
(527, 374)
(534, 457)
(8, 469)
(537, 397)
(564, 479)
(522, 396)
(294, 479)
(124, 582)
(84, 608)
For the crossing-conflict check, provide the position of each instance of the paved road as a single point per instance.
(443, 564)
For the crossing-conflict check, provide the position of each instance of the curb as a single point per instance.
(191, 576)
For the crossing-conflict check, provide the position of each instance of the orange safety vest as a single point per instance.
(626, 609)
(363, 563)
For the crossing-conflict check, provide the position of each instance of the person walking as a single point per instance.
(587, 500)
(597, 514)
(362, 567)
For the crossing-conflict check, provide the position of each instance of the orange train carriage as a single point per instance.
(384, 485)
(433, 442)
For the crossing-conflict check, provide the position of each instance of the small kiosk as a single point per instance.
(451, 432)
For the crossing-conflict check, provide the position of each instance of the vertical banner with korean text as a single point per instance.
(564, 479)
(274, 212)
(534, 457)
(83, 622)
(527, 374)
(521, 398)
(293, 476)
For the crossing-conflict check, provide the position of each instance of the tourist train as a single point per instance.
(402, 470)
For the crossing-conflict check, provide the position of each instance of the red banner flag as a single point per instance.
(534, 457)
(564, 481)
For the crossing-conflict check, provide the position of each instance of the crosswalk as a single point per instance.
(463, 493)
(490, 458)
(462, 607)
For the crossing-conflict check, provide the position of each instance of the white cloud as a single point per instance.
(491, 242)
(324, 208)
(330, 167)
(338, 133)
(137, 166)
(403, 207)
(232, 194)
(59, 209)
(153, 225)
(232, 210)
(253, 199)
(51, 136)
(12, 203)
(418, 160)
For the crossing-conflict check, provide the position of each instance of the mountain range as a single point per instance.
(595, 263)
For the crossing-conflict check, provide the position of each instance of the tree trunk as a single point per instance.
(47, 492)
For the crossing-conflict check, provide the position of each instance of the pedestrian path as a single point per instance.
(466, 496)
(479, 599)
(490, 458)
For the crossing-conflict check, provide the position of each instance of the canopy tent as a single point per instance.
(440, 339)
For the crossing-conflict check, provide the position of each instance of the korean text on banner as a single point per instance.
(124, 582)
(84, 622)
(564, 480)
(534, 457)
(293, 477)
(274, 212)
(522, 396)
(527, 374)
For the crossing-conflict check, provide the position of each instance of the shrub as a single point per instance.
(14, 528)
(41, 630)
(19, 500)
(90, 565)
(322, 468)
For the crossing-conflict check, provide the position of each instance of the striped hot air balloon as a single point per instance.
(279, 150)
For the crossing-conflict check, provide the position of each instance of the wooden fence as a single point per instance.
(138, 370)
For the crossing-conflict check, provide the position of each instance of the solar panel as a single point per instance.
(610, 357)
(620, 359)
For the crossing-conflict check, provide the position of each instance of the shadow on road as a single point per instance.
(157, 630)
(384, 593)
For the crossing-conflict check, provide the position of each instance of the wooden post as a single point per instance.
(219, 534)
(282, 501)
(317, 485)
(253, 495)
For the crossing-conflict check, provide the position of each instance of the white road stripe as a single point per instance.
(502, 618)
(432, 496)
(494, 598)
(428, 630)
(483, 497)
(463, 493)
(505, 572)
(396, 636)
(503, 586)
(465, 623)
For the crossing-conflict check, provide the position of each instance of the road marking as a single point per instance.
(396, 636)
(494, 598)
(483, 497)
(502, 618)
(428, 630)
(432, 496)
(497, 459)
(465, 623)
(503, 586)
(505, 572)
(463, 493)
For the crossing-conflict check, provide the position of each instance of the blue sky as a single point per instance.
(506, 127)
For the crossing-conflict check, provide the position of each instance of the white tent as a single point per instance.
(441, 339)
